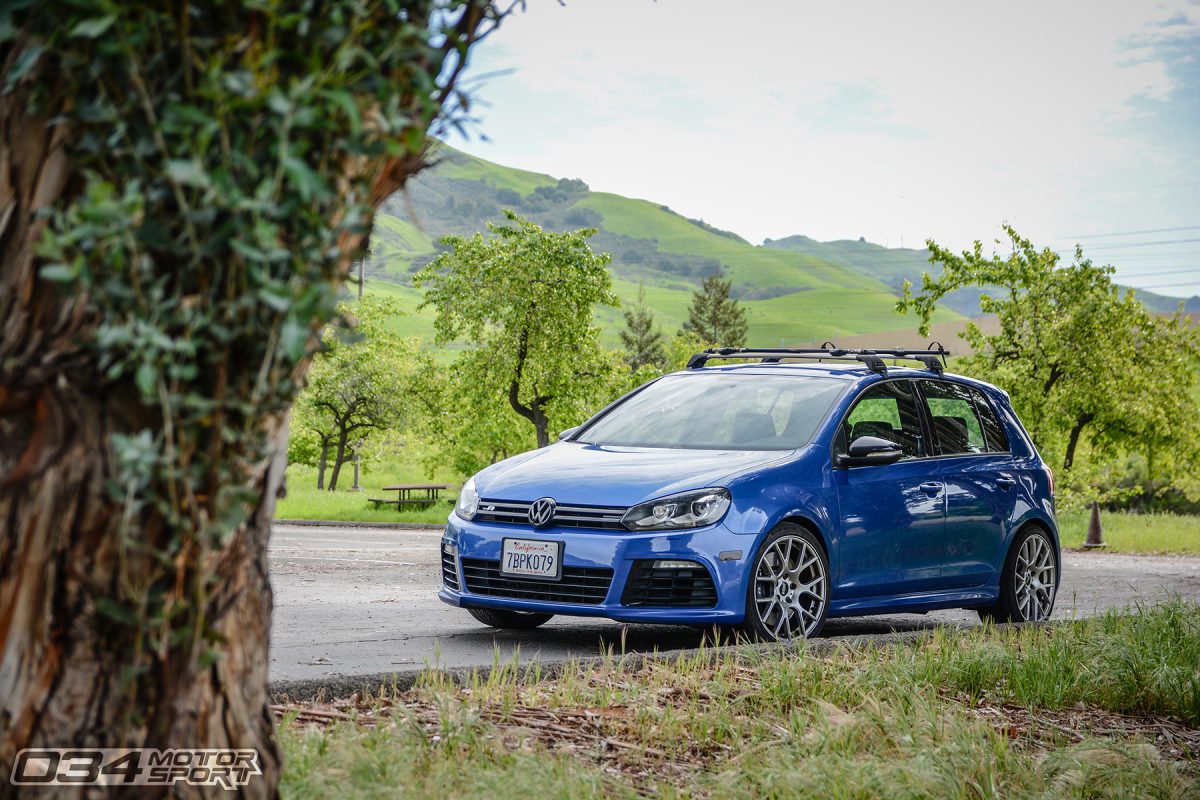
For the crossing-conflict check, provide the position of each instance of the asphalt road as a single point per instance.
(352, 601)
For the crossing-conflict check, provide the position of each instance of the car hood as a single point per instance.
(574, 473)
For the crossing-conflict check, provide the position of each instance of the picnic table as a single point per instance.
(411, 494)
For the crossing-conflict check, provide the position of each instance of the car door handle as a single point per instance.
(931, 487)
(1005, 482)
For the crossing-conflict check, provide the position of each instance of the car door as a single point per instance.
(891, 516)
(976, 468)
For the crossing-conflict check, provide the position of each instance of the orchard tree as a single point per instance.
(182, 189)
(357, 387)
(643, 342)
(683, 346)
(523, 298)
(716, 317)
(1082, 359)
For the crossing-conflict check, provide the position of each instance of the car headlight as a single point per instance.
(468, 501)
(685, 510)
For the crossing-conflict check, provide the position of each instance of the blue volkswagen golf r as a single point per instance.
(770, 495)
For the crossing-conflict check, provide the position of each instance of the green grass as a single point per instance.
(826, 299)
(799, 317)
(989, 713)
(746, 264)
(397, 242)
(305, 501)
(457, 165)
(1134, 533)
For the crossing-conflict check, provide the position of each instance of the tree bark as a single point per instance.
(74, 672)
(1073, 440)
(338, 460)
(63, 661)
(534, 411)
(321, 463)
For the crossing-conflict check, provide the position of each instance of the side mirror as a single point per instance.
(568, 433)
(871, 451)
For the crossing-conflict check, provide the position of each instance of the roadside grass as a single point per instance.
(1106, 707)
(1134, 533)
(305, 501)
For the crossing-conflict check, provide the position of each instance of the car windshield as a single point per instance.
(719, 411)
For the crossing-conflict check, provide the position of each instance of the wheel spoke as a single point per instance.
(1034, 574)
(789, 588)
(809, 590)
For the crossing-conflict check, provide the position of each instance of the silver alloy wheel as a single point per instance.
(790, 588)
(1034, 579)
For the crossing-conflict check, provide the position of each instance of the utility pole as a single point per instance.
(356, 487)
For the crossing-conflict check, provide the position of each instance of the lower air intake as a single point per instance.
(673, 586)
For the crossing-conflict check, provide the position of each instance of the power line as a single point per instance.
(1133, 233)
(1161, 272)
(1125, 245)
(1169, 285)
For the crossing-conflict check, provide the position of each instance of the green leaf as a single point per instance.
(25, 62)
(114, 610)
(147, 379)
(208, 657)
(189, 173)
(308, 183)
(279, 301)
(295, 338)
(59, 273)
(92, 28)
(343, 100)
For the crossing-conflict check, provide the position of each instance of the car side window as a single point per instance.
(956, 425)
(888, 411)
(993, 431)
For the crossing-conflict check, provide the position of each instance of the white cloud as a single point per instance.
(888, 120)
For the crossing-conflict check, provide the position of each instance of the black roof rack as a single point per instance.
(873, 358)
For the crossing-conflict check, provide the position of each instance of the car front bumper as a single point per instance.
(723, 553)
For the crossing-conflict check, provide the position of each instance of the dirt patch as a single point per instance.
(1044, 728)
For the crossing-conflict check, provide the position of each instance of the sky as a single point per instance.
(1076, 122)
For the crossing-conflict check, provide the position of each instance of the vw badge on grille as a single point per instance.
(541, 512)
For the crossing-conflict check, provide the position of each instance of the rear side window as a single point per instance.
(887, 411)
(956, 425)
(993, 431)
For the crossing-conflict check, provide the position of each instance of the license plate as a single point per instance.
(531, 558)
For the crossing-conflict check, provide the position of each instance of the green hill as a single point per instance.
(893, 266)
(790, 295)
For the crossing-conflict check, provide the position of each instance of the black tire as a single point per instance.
(1010, 607)
(511, 620)
(774, 607)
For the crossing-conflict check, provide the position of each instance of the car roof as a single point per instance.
(841, 371)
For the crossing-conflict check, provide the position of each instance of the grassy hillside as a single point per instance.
(789, 295)
(893, 266)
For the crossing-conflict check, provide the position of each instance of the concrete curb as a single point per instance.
(333, 523)
(342, 686)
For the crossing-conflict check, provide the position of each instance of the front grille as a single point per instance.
(669, 587)
(586, 585)
(517, 513)
(449, 573)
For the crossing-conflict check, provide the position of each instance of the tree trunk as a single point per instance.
(541, 424)
(338, 460)
(74, 674)
(80, 668)
(64, 682)
(1073, 441)
(321, 463)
